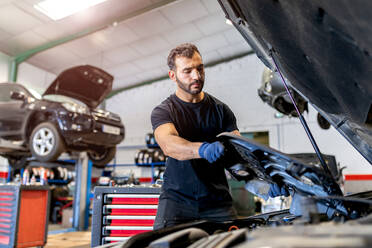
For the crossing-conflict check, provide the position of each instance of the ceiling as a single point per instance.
(129, 39)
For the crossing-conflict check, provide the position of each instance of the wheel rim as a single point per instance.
(43, 141)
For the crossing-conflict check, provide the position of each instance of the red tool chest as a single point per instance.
(24, 214)
(121, 212)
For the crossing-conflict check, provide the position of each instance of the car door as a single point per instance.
(12, 111)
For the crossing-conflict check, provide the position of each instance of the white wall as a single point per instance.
(34, 77)
(236, 84)
(4, 67)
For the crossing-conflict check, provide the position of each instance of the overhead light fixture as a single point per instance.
(57, 9)
(229, 22)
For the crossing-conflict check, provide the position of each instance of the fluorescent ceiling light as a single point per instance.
(58, 9)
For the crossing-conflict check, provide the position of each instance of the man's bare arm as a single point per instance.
(173, 145)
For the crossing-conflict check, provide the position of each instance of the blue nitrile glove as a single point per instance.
(275, 191)
(211, 151)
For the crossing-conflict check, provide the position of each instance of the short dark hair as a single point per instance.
(183, 50)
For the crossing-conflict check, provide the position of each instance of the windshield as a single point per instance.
(60, 98)
(35, 94)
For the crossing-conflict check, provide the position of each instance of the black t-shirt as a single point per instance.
(195, 181)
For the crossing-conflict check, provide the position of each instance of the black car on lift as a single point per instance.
(324, 50)
(64, 119)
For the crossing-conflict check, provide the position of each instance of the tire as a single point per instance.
(148, 138)
(45, 142)
(101, 158)
(138, 157)
(151, 141)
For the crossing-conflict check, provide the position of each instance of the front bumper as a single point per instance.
(79, 130)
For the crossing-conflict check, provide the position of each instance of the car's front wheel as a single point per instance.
(45, 142)
(102, 157)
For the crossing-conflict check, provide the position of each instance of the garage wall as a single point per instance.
(4, 67)
(34, 77)
(236, 84)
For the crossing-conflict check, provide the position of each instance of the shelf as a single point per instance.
(152, 164)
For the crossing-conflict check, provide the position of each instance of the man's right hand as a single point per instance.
(211, 151)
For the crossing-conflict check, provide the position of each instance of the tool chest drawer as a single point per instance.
(121, 212)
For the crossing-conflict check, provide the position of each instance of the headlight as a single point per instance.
(268, 87)
(76, 108)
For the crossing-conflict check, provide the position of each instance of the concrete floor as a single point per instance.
(67, 239)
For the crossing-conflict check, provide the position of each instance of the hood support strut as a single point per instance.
(303, 122)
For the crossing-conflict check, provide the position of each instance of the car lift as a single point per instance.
(81, 202)
(83, 170)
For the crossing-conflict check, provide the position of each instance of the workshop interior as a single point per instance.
(86, 160)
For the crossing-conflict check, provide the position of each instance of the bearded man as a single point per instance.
(185, 126)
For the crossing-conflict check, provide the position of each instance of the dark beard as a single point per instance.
(187, 88)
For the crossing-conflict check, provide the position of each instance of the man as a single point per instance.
(185, 126)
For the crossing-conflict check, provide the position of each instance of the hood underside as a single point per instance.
(324, 49)
(86, 83)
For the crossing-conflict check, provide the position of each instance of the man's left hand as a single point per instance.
(211, 151)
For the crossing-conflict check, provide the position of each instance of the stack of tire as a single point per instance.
(60, 174)
(152, 154)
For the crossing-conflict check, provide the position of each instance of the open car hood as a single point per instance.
(86, 83)
(324, 49)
